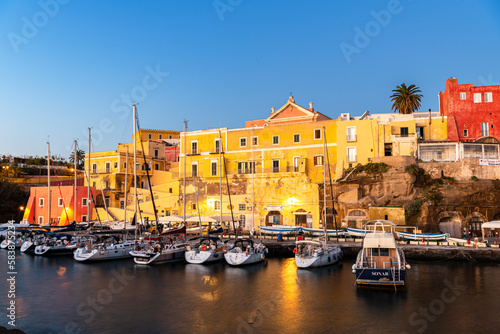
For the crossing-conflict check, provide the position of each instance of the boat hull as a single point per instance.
(380, 277)
(320, 232)
(49, 250)
(325, 259)
(113, 252)
(161, 257)
(200, 257)
(423, 236)
(28, 247)
(240, 259)
(279, 229)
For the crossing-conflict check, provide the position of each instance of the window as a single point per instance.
(149, 136)
(484, 130)
(41, 202)
(93, 184)
(276, 166)
(296, 164)
(94, 168)
(160, 137)
(194, 147)
(59, 202)
(255, 141)
(318, 160)
(217, 205)
(194, 206)
(251, 166)
(156, 153)
(84, 201)
(242, 167)
(242, 207)
(157, 166)
(84, 218)
(462, 96)
(122, 204)
(296, 138)
(217, 145)
(276, 140)
(194, 169)
(317, 134)
(108, 167)
(404, 132)
(213, 168)
(124, 165)
(466, 133)
(351, 133)
(477, 97)
(116, 165)
(488, 97)
(243, 219)
(170, 137)
(351, 154)
(106, 185)
(243, 142)
(40, 220)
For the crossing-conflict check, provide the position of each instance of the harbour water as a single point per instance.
(60, 295)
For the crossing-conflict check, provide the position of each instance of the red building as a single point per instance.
(62, 205)
(472, 112)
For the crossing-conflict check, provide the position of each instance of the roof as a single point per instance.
(379, 240)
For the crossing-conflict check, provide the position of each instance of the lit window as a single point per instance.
(477, 97)
(318, 160)
(462, 96)
(217, 205)
(488, 97)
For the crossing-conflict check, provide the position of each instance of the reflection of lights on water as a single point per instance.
(290, 288)
(61, 271)
(210, 282)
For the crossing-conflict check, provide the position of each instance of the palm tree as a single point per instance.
(406, 99)
(80, 157)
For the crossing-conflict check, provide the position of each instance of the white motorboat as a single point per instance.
(380, 261)
(311, 253)
(245, 251)
(17, 241)
(110, 248)
(422, 236)
(204, 250)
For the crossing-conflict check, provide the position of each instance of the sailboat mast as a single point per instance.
(135, 170)
(220, 177)
(324, 185)
(125, 201)
(185, 159)
(88, 185)
(74, 214)
(48, 182)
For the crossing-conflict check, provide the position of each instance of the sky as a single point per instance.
(67, 65)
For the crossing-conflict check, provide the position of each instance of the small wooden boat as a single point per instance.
(321, 232)
(422, 236)
(276, 229)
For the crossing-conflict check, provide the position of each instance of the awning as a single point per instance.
(492, 224)
(203, 219)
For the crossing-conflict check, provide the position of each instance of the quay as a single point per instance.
(417, 251)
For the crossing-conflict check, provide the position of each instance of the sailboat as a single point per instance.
(313, 253)
(245, 251)
(109, 247)
(168, 247)
(204, 250)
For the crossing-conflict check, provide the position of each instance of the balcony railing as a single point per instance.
(352, 158)
(351, 138)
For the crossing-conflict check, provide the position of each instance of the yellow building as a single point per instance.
(274, 168)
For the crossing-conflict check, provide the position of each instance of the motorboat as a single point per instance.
(104, 248)
(17, 241)
(380, 261)
(204, 250)
(312, 253)
(34, 239)
(245, 251)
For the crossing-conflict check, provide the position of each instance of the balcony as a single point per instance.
(352, 158)
(352, 138)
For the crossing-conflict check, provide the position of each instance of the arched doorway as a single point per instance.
(451, 225)
(300, 217)
(474, 225)
(274, 218)
(355, 218)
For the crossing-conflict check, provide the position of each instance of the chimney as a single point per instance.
(311, 106)
(272, 110)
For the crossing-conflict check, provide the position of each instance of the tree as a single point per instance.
(80, 158)
(406, 99)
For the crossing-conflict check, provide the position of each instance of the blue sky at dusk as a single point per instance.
(218, 63)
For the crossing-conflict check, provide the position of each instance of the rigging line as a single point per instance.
(100, 185)
(331, 186)
(60, 193)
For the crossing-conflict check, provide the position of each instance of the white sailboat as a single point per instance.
(108, 249)
(245, 251)
(204, 250)
(309, 253)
